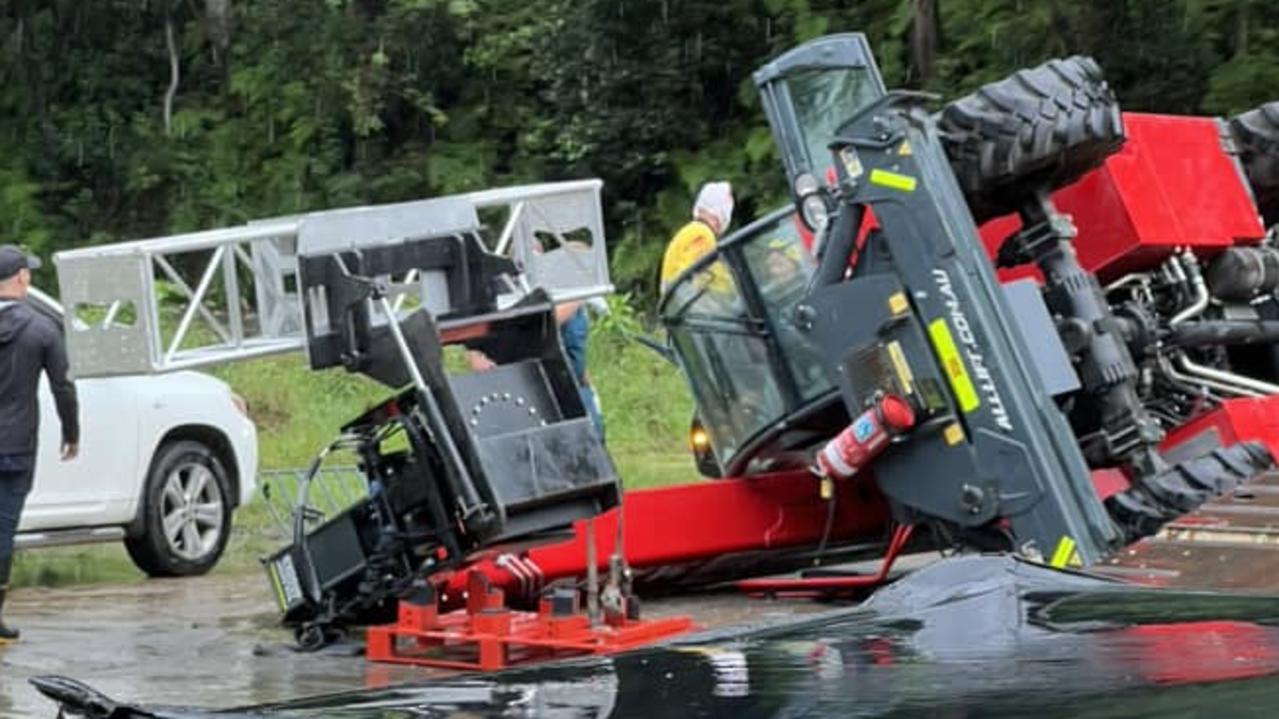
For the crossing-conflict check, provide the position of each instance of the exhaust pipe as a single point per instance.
(1241, 385)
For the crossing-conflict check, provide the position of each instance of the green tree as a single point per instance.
(281, 106)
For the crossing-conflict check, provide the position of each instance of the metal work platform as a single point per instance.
(204, 298)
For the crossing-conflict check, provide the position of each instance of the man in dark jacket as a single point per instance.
(30, 343)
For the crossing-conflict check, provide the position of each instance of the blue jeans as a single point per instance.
(574, 336)
(592, 409)
(16, 474)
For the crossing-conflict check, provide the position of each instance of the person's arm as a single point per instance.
(565, 312)
(479, 361)
(64, 394)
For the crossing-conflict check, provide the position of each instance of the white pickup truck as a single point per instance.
(164, 461)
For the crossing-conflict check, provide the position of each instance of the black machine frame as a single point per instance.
(484, 461)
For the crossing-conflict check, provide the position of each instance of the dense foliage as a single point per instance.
(129, 118)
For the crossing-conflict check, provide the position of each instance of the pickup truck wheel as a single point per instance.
(1041, 127)
(187, 513)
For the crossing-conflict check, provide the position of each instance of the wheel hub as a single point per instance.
(192, 511)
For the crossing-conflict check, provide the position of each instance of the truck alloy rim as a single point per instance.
(191, 506)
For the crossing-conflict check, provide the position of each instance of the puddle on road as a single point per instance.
(974, 637)
(966, 637)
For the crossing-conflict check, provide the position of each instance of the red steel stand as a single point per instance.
(826, 586)
(487, 636)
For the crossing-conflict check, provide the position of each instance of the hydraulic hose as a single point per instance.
(838, 249)
(1200, 302)
(1223, 332)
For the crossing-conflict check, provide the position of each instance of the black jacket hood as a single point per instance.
(14, 315)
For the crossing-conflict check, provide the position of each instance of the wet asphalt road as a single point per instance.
(213, 641)
(205, 641)
(966, 637)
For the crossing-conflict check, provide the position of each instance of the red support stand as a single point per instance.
(826, 586)
(487, 636)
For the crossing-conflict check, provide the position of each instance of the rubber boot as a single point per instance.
(7, 634)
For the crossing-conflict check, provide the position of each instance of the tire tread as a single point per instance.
(1045, 125)
(1256, 133)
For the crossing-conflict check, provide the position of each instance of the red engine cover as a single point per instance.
(1236, 420)
(1172, 185)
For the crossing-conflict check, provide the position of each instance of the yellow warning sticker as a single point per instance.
(893, 180)
(897, 303)
(905, 150)
(953, 365)
(904, 375)
(1064, 554)
(953, 434)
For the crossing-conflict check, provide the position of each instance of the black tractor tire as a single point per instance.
(1141, 510)
(1038, 129)
(186, 485)
(1257, 136)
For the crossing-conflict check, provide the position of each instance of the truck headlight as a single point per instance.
(814, 211)
(240, 405)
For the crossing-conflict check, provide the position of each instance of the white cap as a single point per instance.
(716, 199)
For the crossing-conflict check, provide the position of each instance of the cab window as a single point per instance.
(825, 99)
(724, 351)
(781, 267)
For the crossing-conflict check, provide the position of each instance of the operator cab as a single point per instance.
(759, 383)
(807, 94)
(761, 388)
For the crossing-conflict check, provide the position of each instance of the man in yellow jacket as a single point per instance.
(712, 214)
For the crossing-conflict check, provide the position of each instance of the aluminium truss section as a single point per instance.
(225, 295)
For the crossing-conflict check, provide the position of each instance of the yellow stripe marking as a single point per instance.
(953, 366)
(904, 375)
(279, 587)
(1065, 550)
(893, 180)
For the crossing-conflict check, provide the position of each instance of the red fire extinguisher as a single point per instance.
(867, 437)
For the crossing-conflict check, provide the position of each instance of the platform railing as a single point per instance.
(332, 490)
(204, 298)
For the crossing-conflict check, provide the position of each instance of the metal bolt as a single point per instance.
(972, 497)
